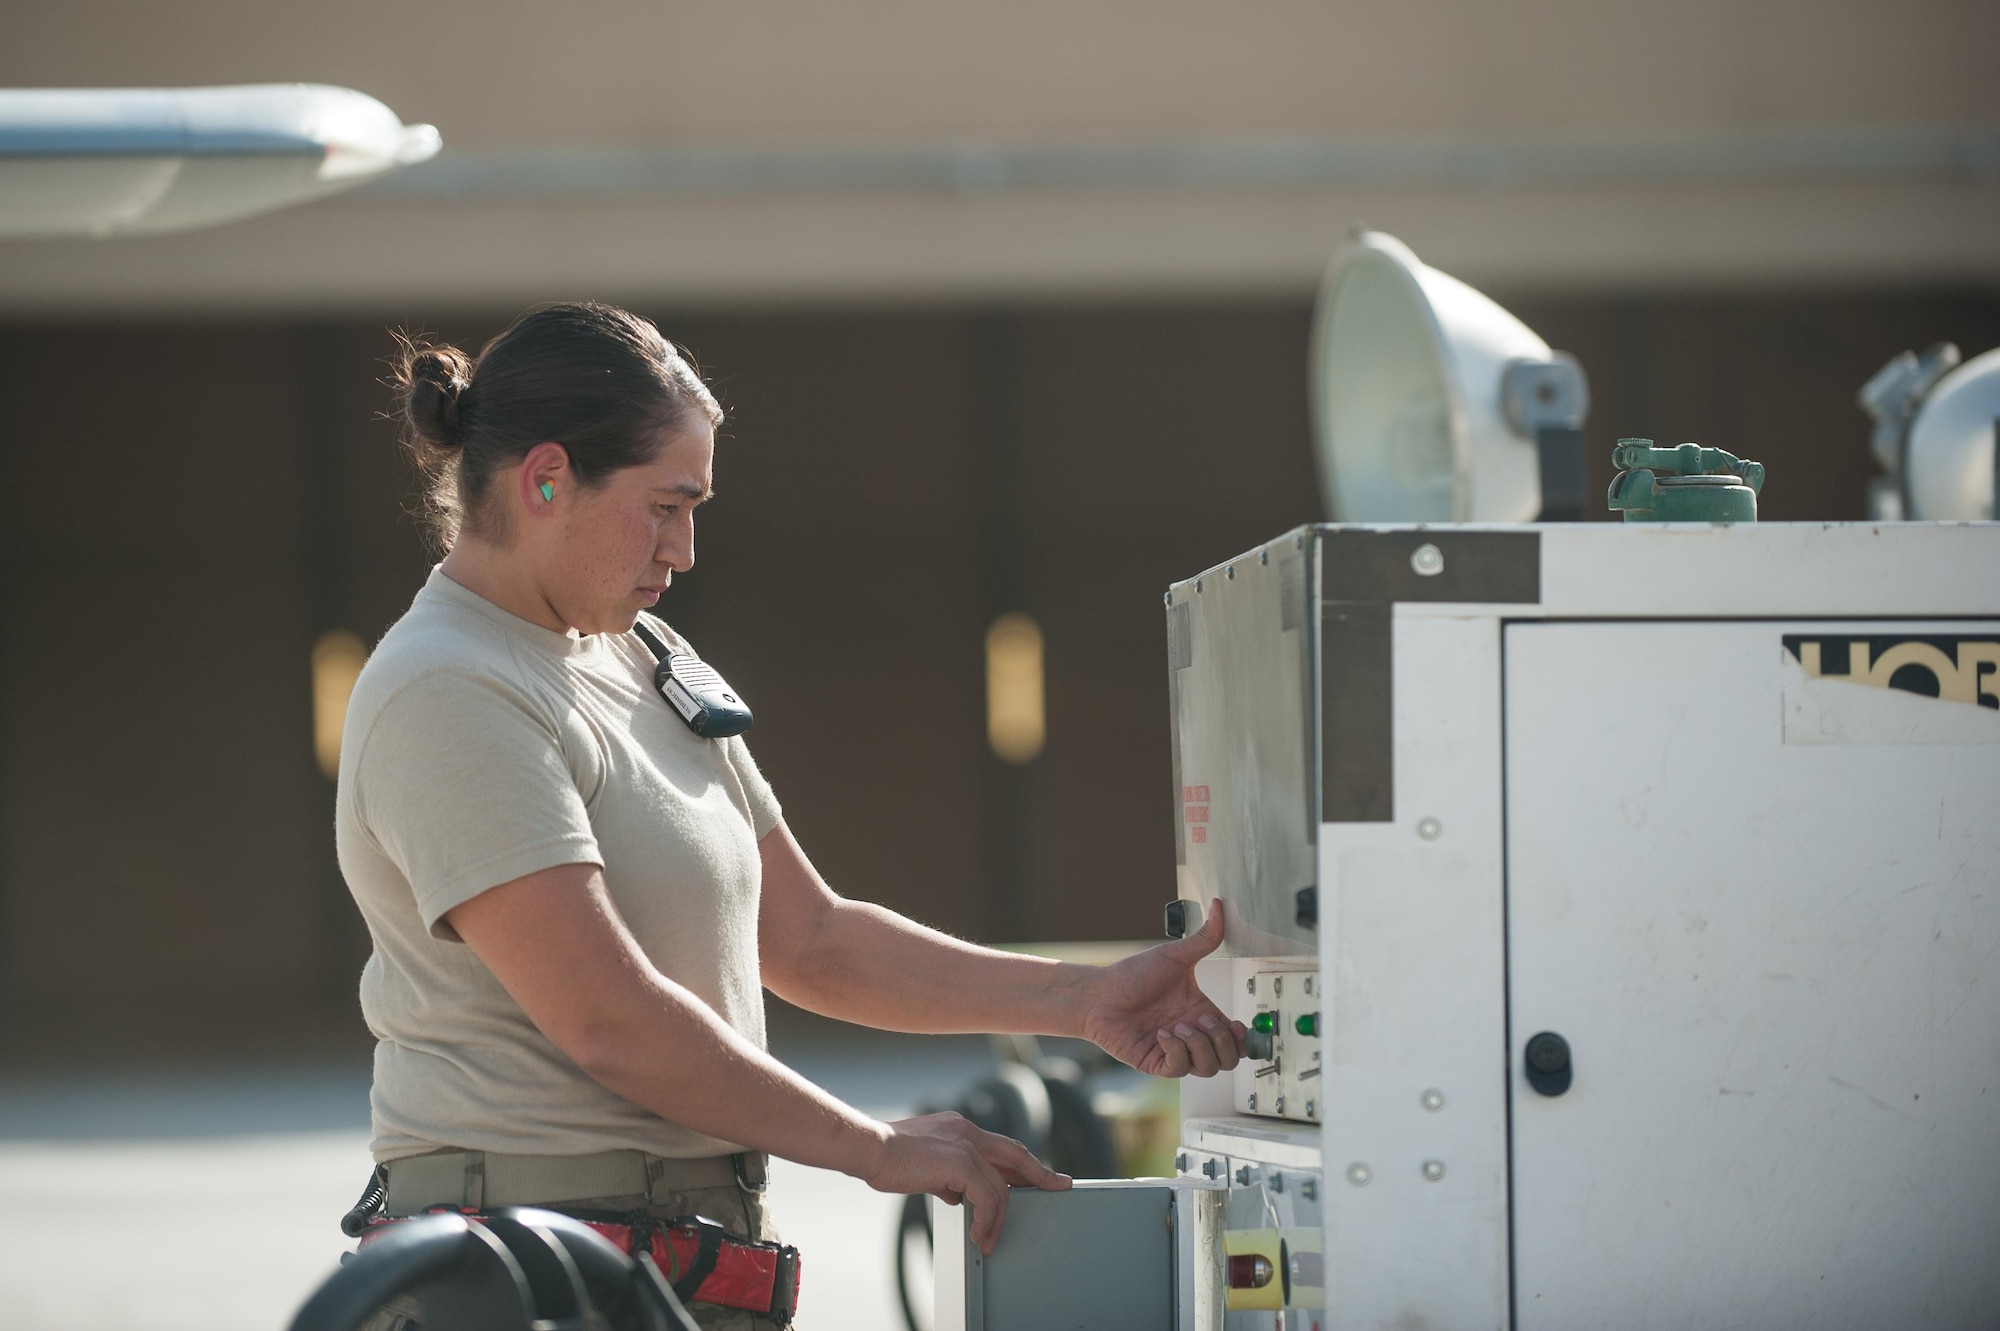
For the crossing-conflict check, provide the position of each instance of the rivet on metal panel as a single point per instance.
(1433, 1170)
(1279, 1107)
(1434, 1100)
(1211, 1167)
(1430, 829)
(1230, 572)
(1298, 543)
(1309, 984)
(1263, 556)
(1278, 984)
(1277, 1183)
(1181, 1162)
(1244, 1173)
(1170, 598)
(1359, 1174)
(1427, 560)
(1312, 1109)
(1250, 985)
(1253, 1102)
(1197, 586)
(1309, 1189)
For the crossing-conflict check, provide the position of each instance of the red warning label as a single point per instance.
(1194, 812)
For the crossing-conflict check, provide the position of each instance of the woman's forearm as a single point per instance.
(673, 1055)
(864, 963)
(558, 945)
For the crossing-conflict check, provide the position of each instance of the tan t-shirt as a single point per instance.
(479, 748)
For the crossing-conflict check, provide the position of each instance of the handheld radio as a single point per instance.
(704, 699)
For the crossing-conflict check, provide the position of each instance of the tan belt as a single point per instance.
(483, 1179)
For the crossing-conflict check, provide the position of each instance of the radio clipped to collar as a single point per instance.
(691, 687)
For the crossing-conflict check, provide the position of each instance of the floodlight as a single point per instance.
(1433, 404)
(1937, 431)
(109, 161)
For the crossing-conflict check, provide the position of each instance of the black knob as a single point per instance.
(1183, 917)
(1547, 1063)
(1258, 1045)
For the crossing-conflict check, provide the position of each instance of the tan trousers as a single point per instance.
(671, 1189)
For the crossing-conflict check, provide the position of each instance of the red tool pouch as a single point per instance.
(706, 1264)
(701, 1260)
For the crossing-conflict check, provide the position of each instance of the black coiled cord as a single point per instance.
(355, 1223)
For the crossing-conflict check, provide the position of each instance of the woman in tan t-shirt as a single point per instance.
(515, 951)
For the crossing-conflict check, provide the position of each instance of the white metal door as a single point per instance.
(1763, 909)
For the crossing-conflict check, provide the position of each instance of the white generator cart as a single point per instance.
(1616, 910)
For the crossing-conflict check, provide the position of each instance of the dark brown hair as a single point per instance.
(596, 379)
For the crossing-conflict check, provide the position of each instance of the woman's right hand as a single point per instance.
(947, 1157)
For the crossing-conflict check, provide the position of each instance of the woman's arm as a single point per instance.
(864, 963)
(556, 942)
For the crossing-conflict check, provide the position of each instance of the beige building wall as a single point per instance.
(1008, 305)
(886, 148)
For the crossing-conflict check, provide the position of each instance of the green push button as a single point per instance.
(1264, 1022)
(1308, 1023)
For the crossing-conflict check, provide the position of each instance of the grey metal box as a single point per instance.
(1107, 1253)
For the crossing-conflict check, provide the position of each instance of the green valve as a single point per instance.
(1264, 1022)
(1308, 1023)
(1684, 484)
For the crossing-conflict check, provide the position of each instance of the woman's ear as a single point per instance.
(544, 473)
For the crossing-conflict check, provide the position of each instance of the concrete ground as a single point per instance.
(185, 1198)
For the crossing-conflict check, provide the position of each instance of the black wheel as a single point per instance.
(1014, 1103)
(1080, 1142)
(512, 1271)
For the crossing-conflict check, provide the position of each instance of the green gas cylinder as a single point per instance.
(1685, 484)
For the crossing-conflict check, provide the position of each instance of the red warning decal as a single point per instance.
(1194, 812)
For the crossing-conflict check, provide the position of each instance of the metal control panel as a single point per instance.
(1274, 1268)
(1281, 1076)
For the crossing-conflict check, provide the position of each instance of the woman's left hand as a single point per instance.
(1147, 1011)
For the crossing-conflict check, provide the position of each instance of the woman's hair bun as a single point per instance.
(431, 381)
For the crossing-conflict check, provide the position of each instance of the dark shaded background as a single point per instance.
(189, 504)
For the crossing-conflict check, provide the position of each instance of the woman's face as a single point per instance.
(618, 545)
